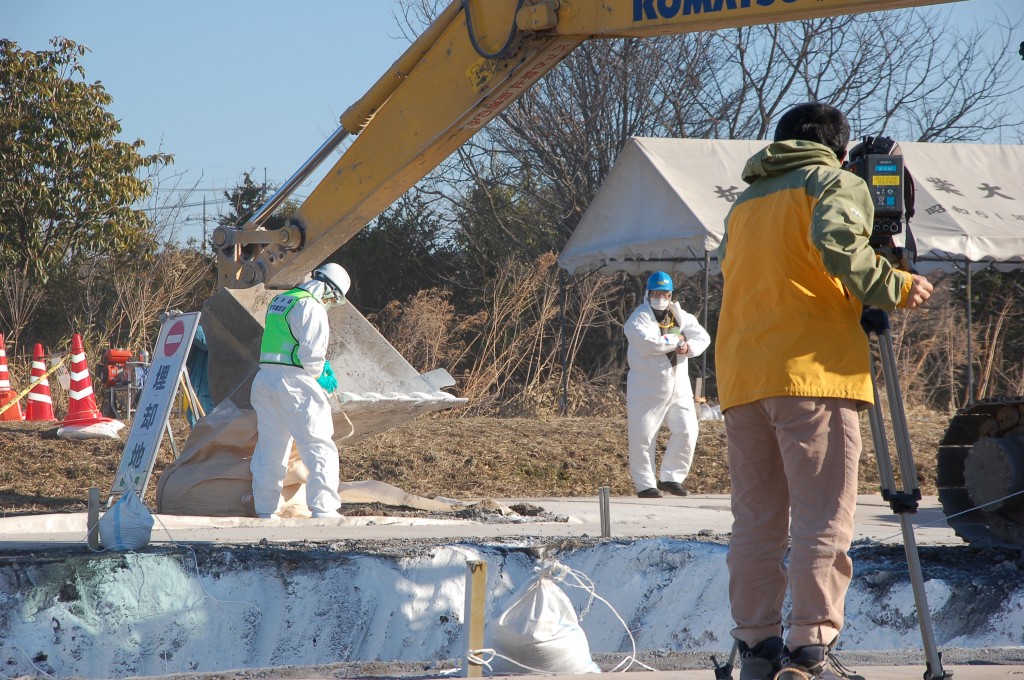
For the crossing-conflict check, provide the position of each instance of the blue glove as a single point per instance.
(327, 379)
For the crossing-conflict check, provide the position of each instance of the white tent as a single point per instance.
(664, 203)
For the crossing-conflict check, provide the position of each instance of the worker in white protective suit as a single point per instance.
(661, 338)
(290, 394)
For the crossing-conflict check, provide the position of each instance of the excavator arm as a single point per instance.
(474, 60)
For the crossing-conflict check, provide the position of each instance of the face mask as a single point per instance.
(660, 304)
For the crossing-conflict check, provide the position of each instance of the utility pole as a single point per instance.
(204, 225)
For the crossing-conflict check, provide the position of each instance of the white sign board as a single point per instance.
(154, 407)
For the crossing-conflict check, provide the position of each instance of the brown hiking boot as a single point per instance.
(805, 663)
(761, 661)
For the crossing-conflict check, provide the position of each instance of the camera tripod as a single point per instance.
(903, 502)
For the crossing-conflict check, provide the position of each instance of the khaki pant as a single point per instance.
(793, 465)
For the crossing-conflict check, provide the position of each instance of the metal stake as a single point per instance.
(93, 520)
(604, 503)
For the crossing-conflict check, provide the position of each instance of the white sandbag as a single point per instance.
(540, 630)
(106, 429)
(127, 525)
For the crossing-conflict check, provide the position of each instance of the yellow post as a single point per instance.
(476, 606)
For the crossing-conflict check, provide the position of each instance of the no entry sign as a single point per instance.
(175, 336)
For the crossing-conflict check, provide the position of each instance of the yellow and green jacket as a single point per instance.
(798, 269)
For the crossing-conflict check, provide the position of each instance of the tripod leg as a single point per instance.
(900, 431)
(882, 456)
(724, 671)
(904, 502)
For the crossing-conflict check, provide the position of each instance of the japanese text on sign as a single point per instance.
(154, 409)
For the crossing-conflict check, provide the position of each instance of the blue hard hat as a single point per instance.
(659, 281)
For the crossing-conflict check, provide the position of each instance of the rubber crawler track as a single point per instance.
(983, 527)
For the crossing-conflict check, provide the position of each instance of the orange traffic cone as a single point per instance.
(40, 406)
(7, 395)
(81, 400)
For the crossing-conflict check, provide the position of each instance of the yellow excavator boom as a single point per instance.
(474, 60)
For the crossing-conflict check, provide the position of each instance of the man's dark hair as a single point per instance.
(816, 122)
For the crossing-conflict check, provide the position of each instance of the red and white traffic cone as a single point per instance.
(81, 400)
(7, 395)
(39, 406)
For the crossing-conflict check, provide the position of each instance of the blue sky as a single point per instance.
(230, 86)
(227, 86)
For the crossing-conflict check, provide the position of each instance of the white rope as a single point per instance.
(195, 560)
(946, 518)
(484, 657)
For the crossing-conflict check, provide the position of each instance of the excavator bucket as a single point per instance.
(377, 388)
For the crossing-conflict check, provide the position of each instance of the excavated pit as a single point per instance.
(396, 606)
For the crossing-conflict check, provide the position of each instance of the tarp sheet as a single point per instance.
(665, 200)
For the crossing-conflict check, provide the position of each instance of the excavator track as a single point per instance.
(980, 473)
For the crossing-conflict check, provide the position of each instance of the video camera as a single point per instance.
(879, 162)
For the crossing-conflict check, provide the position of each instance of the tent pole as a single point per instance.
(970, 338)
(707, 295)
(563, 405)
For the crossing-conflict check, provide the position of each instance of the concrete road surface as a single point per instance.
(629, 518)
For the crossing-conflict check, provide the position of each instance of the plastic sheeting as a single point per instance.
(211, 477)
(664, 204)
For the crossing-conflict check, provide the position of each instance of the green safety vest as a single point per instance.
(279, 345)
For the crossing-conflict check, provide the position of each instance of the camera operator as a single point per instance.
(793, 371)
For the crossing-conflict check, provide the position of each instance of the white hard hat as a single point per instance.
(335, 276)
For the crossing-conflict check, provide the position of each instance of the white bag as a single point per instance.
(104, 429)
(540, 630)
(127, 525)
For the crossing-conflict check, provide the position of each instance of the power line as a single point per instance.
(200, 204)
(176, 190)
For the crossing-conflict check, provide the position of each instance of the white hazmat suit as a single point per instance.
(658, 390)
(291, 405)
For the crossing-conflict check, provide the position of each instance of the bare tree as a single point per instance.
(20, 296)
(908, 74)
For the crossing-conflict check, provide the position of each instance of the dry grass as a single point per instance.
(42, 473)
(470, 457)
